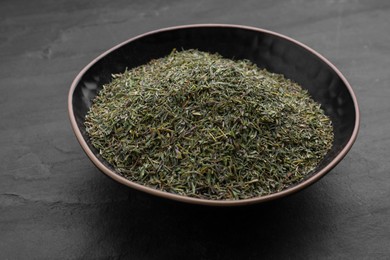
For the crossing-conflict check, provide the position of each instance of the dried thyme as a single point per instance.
(200, 125)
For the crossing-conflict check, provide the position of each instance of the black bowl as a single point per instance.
(275, 52)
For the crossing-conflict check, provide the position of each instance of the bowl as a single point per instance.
(273, 51)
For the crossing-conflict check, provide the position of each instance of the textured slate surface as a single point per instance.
(55, 204)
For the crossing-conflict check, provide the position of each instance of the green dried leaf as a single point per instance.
(200, 125)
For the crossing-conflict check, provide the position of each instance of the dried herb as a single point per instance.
(200, 125)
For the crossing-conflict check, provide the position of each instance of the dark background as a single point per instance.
(54, 204)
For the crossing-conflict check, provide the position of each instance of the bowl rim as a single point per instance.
(159, 193)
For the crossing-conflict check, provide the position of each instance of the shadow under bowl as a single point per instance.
(270, 50)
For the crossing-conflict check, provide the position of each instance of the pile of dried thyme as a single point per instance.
(200, 125)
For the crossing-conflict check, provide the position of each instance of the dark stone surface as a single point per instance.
(55, 204)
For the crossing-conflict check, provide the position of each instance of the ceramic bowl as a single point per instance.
(273, 51)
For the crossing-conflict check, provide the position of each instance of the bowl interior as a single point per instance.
(268, 50)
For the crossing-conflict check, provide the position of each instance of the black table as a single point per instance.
(55, 204)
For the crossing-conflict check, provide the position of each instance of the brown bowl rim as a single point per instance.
(112, 174)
